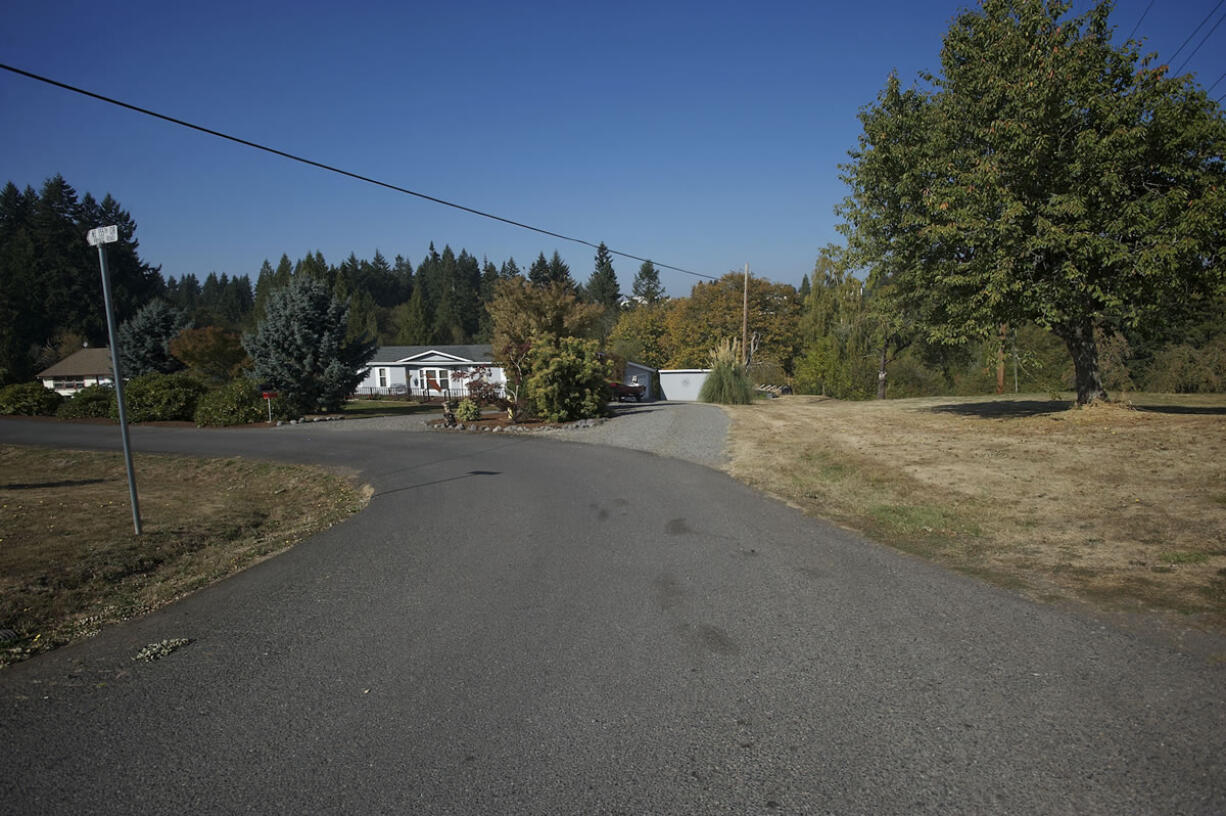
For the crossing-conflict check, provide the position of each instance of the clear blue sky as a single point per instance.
(705, 135)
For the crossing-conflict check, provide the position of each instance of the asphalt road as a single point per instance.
(519, 625)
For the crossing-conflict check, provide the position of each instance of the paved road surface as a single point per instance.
(518, 625)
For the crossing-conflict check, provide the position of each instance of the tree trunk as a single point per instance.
(1080, 341)
(885, 347)
(1000, 359)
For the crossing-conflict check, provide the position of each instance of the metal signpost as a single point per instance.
(100, 237)
(269, 395)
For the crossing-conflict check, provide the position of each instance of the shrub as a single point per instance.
(569, 379)
(727, 383)
(236, 403)
(161, 397)
(90, 402)
(29, 399)
(467, 411)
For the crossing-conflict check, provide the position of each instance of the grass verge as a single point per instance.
(361, 408)
(1121, 506)
(70, 562)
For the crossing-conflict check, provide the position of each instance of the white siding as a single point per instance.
(682, 384)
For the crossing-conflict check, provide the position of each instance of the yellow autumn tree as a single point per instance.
(712, 313)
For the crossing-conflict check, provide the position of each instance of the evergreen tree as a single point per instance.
(647, 288)
(144, 340)
(410, 322)
(403, 271)
(316, 267)
(466, 289)
(49, 282)
(263, 285)
(602, 286)
(538, 273)
(300, 347)
(559, 272)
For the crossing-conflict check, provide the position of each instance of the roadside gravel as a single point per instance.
(680, 430)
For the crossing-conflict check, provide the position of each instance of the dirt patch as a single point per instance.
(1123, 506)
(70, 561)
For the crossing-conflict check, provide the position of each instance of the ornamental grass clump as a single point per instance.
(727, 383)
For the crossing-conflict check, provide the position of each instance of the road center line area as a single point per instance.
(519, 625)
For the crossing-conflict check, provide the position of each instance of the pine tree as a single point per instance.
(300, 347)
(49, 275)
(602, 286)
(144, 340)
(411, 323)
(559, 272)
(538, 273)
(647, 288)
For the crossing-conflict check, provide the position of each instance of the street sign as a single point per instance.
(269, 395)
(103, 235)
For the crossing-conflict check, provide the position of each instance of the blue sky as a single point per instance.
(704, 135)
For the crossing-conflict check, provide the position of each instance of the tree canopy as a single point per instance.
(1044, 176)
(301, 350)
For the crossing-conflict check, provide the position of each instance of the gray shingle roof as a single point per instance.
(88, 362)
(475, 353)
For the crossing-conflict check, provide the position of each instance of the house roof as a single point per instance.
(462, 354)
(88, 362)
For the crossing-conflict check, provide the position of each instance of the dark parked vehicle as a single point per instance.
(620, 391)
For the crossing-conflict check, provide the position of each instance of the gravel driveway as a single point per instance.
(681, 430)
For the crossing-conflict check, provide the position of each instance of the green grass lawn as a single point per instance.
(360, 408)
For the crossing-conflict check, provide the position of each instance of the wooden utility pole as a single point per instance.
(745, 320)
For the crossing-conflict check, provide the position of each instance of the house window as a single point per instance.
(382, 377)
(437, 380)
(65, 383)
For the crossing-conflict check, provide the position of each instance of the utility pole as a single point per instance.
(745, 320)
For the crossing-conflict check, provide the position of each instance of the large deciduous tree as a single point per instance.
(1046, 176)
(300, 348)
(524, 316)
(713, 313)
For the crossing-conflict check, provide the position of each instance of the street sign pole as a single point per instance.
(100, 237)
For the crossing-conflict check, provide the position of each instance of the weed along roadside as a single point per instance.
(70, 564)
(1119, 506)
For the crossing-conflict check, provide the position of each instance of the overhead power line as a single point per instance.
(1204, 40)
(1195, 30)
(331, 169)
(1138, 25)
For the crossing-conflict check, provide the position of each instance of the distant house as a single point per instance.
(430, 372)
(89, 366)
(433, 372)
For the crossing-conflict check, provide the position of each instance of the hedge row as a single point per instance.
(148, 398)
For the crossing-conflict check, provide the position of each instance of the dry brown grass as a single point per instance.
(1119, 506)
(70, 562)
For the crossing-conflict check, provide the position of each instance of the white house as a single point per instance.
(89, 366)
(430, 371)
